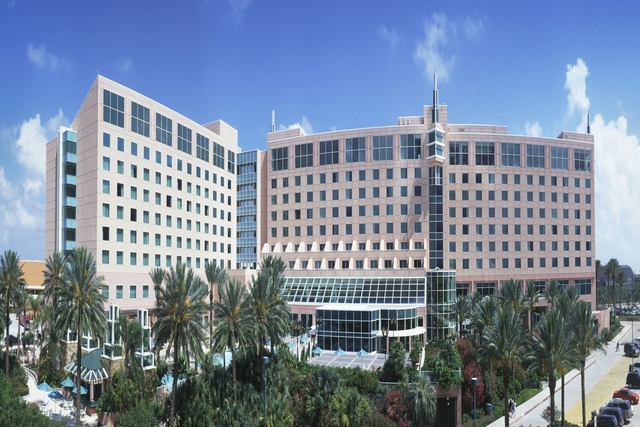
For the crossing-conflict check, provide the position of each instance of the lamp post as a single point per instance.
(474, 384)
(265, 362)
(385, 334)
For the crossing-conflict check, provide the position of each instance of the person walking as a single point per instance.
(618, 346)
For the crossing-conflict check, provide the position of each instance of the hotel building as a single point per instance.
(380, 228)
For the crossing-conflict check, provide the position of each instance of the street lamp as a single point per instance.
(474, 384)
(265, 362)
(385, 334)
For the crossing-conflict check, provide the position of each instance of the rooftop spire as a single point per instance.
(434, 113)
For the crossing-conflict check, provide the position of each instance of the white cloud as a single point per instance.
(576, 84)
(533, 129)
(305, 125)
(239, 7)
(44, 59)
(390, 36)
(441, 38)
(22, 184)
(124, 65)
(616, 170)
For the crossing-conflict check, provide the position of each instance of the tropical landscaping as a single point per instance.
(501, 342)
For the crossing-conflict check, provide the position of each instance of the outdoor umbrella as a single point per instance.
(317, 351)
(45, 387)
(339, 352)
(290, 344)
(362, 353)
(82, 390)
(217, 360)
(67, 383)
(304, 338)
(55, 395)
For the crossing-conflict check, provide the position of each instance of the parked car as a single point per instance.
(631, 350)
(625, 405)
(12, 340)
(635, 367)
(633, 380)
(626, 394)
(604, 421)
(616, 412)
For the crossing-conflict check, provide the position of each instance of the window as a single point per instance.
(485, 155)
(410, 146)
(106, 164)
(559, 158)
(535, 156)
(202, 146)
(328, 152)
(458, 153)
(164, 129)
(355, 150)
(510, 154)
(113, 108)
(304, 155)
(279, 159)
(383, 148)
(139, 119)
(582, 160)
(218, 158)
(184, 139)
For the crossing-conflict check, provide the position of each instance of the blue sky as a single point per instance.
(535, 67)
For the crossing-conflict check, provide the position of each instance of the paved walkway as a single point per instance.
(604, 373)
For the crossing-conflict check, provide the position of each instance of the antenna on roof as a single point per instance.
(98, 70)
(273, 121)
(588, 122)
(434, 113)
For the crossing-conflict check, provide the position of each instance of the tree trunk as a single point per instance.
(552, 400)
(505, 383)
(211, 319)
(76, 399)
(582, 396)
(562, 400)
(6, 345)
(174, 388)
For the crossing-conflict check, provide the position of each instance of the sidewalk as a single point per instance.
(599, 365)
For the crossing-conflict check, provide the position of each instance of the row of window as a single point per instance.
(489, 288)
(358, 264)
(504, 179)
(168, 201)
(133, 238)
(491, 263)
(133, 291)
(517, 212)
(354, 149)
(198, 171)
(516, 196)
(405, 191)
(519, 246)
(536, 156)
(157, 259)
(349, 229)
(349, 211)
(362, 246)
(113, 112)
(146, 216)
(517, 229)
(349, 176)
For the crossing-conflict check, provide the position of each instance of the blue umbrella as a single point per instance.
(82, 390)
(67, 383)
(339, 352)
(304, 338)
(217, 360)
(45, 387)
(290, 344)
(317, 351)
(362, 353)
(55, 395)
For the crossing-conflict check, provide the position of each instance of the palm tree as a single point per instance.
(423, 401)
(81, 306)
(511, 293)
(483, 314)
(272, 315)
(11, 288)
(180, 308)
(551, 349)
(131, 335)
(216, 276)
(585, 340)
(531, 296)
(462, 307)
(54, 276)
(504, 344)
(51, 338)
(620, 281)
(22, 304)
(611, 270)
(234, 322)
(552, 291)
